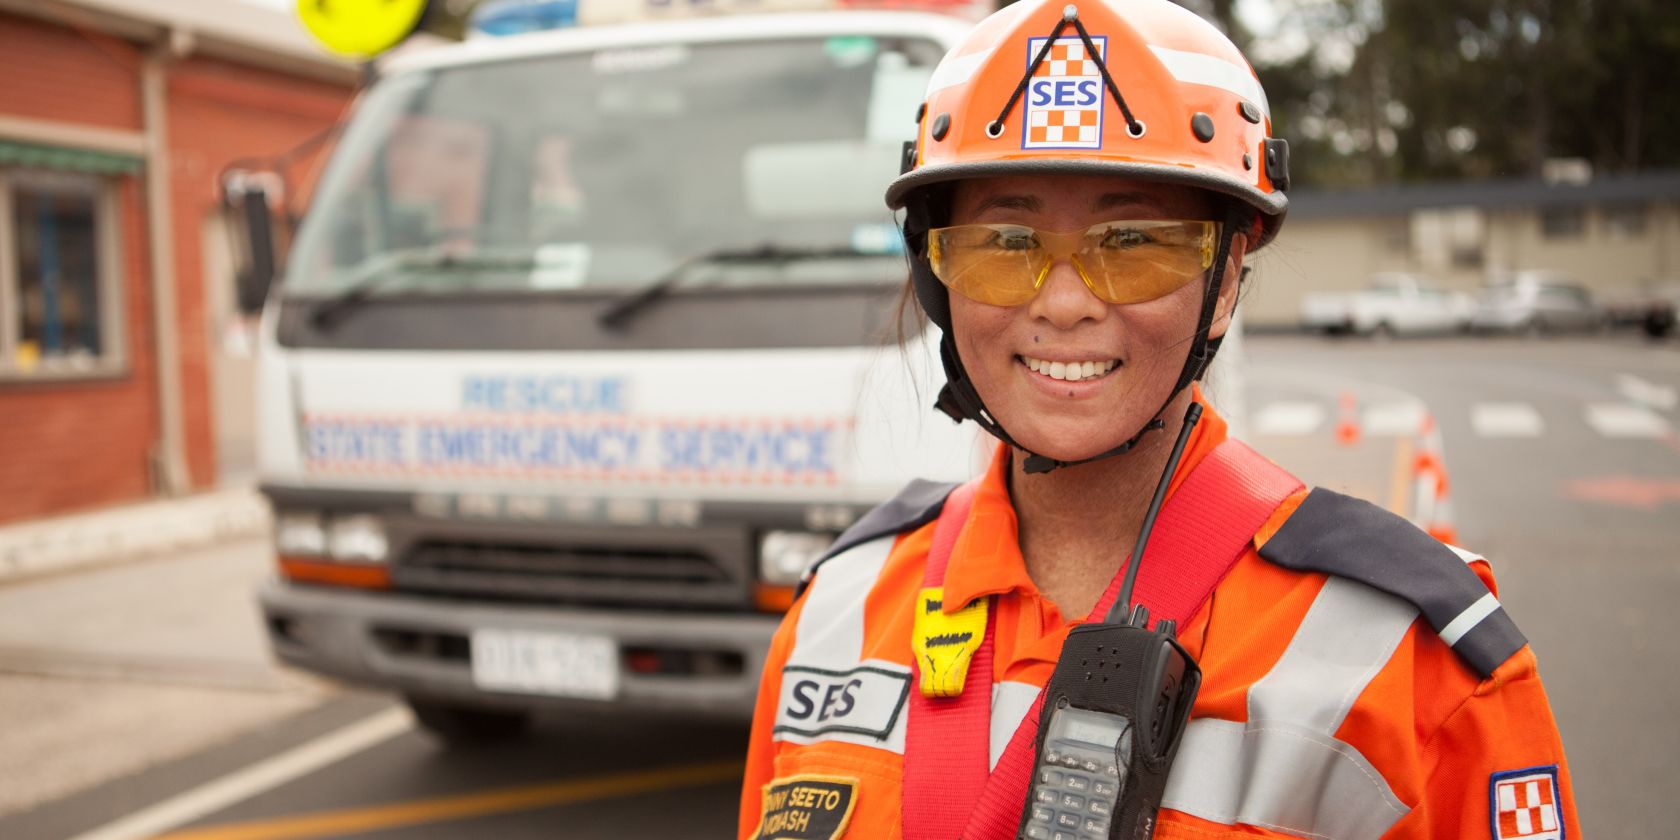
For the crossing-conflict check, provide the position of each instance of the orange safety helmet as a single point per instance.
(1144, 89)
(1194, 112)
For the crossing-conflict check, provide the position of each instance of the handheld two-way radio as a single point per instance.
(1113, 713)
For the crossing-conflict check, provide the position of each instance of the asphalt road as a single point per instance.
(1564, 469)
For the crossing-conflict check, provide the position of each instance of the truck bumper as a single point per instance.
(419, 646)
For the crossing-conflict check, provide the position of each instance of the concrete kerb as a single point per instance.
(131, 532)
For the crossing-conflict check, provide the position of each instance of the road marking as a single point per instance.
(1505, 420)
(1647, 393)
(1620, 420)
(1289, 418)
(1393, 418)
(385, 817)
(1626, 491)
(1400, 481)
(257, 778)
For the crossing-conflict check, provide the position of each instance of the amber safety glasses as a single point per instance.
(1121, 261)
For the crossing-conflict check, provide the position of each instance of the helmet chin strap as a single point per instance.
(959, 400)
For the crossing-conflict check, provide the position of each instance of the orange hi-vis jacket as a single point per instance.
(1329, 708)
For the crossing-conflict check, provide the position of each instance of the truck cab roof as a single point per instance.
(940, 28)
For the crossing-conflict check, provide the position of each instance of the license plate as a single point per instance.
(558, 664)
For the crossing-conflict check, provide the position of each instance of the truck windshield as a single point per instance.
(597, 171)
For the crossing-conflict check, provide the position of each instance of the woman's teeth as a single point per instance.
(1070, 371)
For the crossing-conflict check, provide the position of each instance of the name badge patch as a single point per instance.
(1064, 101)
(807, 808)
(865, 700)
(1524, 804)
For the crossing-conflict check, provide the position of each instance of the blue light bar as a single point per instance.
(513, 17)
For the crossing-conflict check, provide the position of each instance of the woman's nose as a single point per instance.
(1064, 300)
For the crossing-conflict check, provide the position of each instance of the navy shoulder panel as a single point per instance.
(1352, 538)
(916, 505)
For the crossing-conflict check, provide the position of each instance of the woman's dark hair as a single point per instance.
(926, 209)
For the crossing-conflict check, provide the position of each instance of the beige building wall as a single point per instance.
(1322, 255)
(1459, 248)
(1604, 258)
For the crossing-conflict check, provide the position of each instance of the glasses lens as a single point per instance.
(1133, 262)
(992, 264)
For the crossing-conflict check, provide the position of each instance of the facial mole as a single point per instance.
(1035, 339)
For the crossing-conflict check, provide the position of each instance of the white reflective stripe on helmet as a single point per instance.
(1285, 769)
(1200, 69)
(956, 70)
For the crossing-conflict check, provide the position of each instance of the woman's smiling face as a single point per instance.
(1020, 358)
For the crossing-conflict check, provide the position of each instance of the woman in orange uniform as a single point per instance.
(1086, 182)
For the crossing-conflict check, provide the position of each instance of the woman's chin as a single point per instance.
(1075, 445)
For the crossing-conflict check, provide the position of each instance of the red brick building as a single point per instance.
(116, 119)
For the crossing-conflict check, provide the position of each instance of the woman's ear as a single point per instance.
(1229, 285)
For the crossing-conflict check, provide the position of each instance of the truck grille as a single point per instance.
(669, 576)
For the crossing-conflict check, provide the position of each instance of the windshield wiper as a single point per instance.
(379, 269)
(618, 315)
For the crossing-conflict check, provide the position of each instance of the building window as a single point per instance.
(1563, 221)
(1625, 221)
(59, 313)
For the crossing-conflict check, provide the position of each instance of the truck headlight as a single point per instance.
(357, 539)
(299, 535)
(784, 555)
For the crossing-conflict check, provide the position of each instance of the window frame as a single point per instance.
(112, 361)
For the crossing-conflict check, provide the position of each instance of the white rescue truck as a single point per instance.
(586, 346)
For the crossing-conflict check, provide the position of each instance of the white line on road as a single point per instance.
(264, 775)
(1289, 418)
(1657, 396)
(1619, 420)
(1505, 420)
(1393, 419)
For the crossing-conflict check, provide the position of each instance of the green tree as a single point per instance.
(1441, 89)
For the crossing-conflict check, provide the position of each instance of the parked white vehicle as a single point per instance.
(1393, 304)
(579, 359)
(1536, 301)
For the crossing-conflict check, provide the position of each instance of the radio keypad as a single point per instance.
(1075, 802)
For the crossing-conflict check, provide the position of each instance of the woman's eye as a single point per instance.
(1122, 238)
(1009, 240)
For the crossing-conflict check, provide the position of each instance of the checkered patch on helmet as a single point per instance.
(1064, 100)
(1524, 804)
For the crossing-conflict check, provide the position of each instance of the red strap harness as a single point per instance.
(1202, 531)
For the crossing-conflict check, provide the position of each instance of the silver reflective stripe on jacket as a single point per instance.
(1284, 769)
(829, 692)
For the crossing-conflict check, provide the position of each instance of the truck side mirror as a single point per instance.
(251, 225)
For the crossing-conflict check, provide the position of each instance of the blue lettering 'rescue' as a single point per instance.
(553, 394)
(774, 450)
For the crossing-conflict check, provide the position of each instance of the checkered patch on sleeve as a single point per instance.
(1523, 804)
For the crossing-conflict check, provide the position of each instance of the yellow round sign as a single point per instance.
(360, 28)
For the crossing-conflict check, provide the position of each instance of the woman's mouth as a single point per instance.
(1077, 371)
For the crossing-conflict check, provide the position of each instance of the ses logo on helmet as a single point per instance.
(1064, 98)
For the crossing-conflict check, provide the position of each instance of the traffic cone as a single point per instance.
(1433, 509)
(1347, 420)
